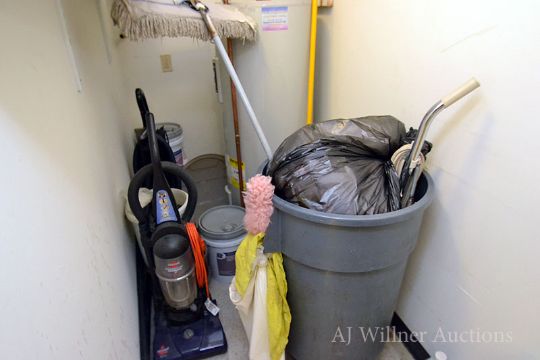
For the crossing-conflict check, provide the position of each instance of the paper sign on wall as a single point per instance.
(275, 18)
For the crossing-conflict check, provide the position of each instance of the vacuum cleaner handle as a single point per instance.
(146, 173)
(162, 194)
(143, 105)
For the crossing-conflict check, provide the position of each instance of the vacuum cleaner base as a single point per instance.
(195, 340)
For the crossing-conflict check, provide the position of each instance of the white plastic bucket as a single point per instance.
(175, 135)
(222, 229)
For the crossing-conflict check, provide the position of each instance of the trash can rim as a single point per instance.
(358, 220)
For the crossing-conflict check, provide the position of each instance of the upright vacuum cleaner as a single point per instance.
(178, 319)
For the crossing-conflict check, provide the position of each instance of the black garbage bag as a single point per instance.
(341, 166)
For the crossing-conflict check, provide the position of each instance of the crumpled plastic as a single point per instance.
(341, 166)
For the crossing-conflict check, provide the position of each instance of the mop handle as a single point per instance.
(461, 92)
(203, 10)
(243, 96)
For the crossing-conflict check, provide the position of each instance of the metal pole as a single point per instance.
(243, 97)
(203, 10)
(414, 170)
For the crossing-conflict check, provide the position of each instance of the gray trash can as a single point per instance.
(344, 274)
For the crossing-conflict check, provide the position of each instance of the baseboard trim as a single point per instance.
(414, 347)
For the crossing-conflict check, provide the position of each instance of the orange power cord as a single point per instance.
(199, 249)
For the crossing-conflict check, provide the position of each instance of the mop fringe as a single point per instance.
(157, 25)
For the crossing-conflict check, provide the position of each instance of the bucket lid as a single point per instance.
(173, 130)
(222, 222)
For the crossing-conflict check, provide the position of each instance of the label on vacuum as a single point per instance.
(174, 266)
(211, 307)
(162, 352)
(165, 211)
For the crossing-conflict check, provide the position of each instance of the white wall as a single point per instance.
(476, 264)
(185, 96)
(66, 260)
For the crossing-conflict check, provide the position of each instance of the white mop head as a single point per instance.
(143, 19)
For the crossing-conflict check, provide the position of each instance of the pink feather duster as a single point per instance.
(258, 200)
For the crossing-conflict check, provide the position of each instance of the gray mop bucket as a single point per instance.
(344, 274)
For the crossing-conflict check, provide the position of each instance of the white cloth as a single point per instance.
(253, 311)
